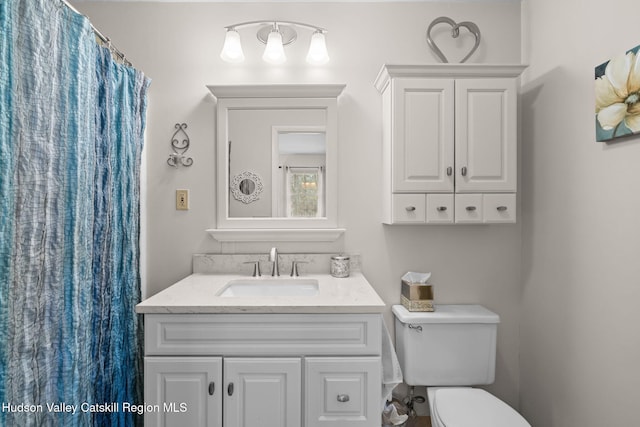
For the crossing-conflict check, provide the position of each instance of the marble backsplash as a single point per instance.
(316, 263)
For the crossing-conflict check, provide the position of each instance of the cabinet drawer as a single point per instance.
(342, 392)
(469, 208)
(499, 208)
(440, 208)
(262, 334)
(409, 208)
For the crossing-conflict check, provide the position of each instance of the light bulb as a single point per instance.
(232, 49)
(274, 52)
(317, 54)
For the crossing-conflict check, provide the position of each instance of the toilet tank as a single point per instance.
(455, 345)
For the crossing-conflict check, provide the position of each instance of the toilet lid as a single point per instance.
(474, 407)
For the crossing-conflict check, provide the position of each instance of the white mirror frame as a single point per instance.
(277, 97)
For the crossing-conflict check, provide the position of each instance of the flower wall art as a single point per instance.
(618, 96)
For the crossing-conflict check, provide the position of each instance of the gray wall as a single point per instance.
(580, 341)
(178, 46)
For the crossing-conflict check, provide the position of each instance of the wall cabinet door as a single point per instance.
(342, 392)
(486, 135)
(186, 390)
(422, 135)
(265, 392)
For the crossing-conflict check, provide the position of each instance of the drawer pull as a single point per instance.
(501, 208)
(449, 171)
(212, 388)
(441, 208)
(230, 389)
(343, 398)
(464, 171)
(470, 208)
(410, 208)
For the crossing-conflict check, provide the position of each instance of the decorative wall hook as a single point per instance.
(455, 32)
(180, 145)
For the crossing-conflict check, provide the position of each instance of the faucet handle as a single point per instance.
(294, 268)
(256, 268)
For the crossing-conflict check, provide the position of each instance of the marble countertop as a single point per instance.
(197, 293)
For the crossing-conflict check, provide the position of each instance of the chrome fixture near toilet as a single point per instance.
(425, 344)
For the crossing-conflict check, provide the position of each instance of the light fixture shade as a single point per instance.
(317, 54)
(232, 49)
(274, 52)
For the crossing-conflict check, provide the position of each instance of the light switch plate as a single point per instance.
(182, 200)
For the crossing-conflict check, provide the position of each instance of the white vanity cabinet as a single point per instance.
(271, 370)
(449, 143)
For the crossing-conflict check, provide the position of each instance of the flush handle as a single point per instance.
(343, 398)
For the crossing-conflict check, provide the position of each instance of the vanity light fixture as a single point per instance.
(275, 35)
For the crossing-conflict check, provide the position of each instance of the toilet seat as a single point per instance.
(472, 407)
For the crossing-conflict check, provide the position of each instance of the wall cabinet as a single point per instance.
(449, 143)
(271, 370)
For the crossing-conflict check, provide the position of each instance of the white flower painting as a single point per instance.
(618, 96)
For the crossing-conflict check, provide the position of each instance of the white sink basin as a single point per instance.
(270, 288)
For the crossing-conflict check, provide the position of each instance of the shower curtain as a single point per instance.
(71, 134)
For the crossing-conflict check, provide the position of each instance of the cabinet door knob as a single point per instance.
(470, 208)
(410, 208)
(212, 388)
(230, 389)
(343, 398)
(463, 171)
(501, 208)
(449, 171)
(441, 208)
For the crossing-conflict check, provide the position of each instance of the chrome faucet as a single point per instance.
(273, 257)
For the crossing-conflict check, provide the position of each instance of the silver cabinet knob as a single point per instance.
(449, 171)
(410, 208)
(212, 388)
(230, 389)
(463, 171)
(501, 208)
(343, 398)
(441, 208)
(470, 208)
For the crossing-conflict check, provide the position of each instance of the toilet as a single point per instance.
(449, 350)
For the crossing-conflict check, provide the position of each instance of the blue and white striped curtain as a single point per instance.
(71, 135)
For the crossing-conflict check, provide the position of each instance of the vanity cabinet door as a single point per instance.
(263, 392)
(342, 391)
(183, 391)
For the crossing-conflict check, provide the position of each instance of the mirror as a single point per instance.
(246, 187)
(277, 156)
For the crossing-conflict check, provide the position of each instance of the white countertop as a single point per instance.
(197, 294)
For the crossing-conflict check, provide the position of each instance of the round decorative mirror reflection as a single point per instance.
(246, 187)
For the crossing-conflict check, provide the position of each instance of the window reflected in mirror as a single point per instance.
(299, 173)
